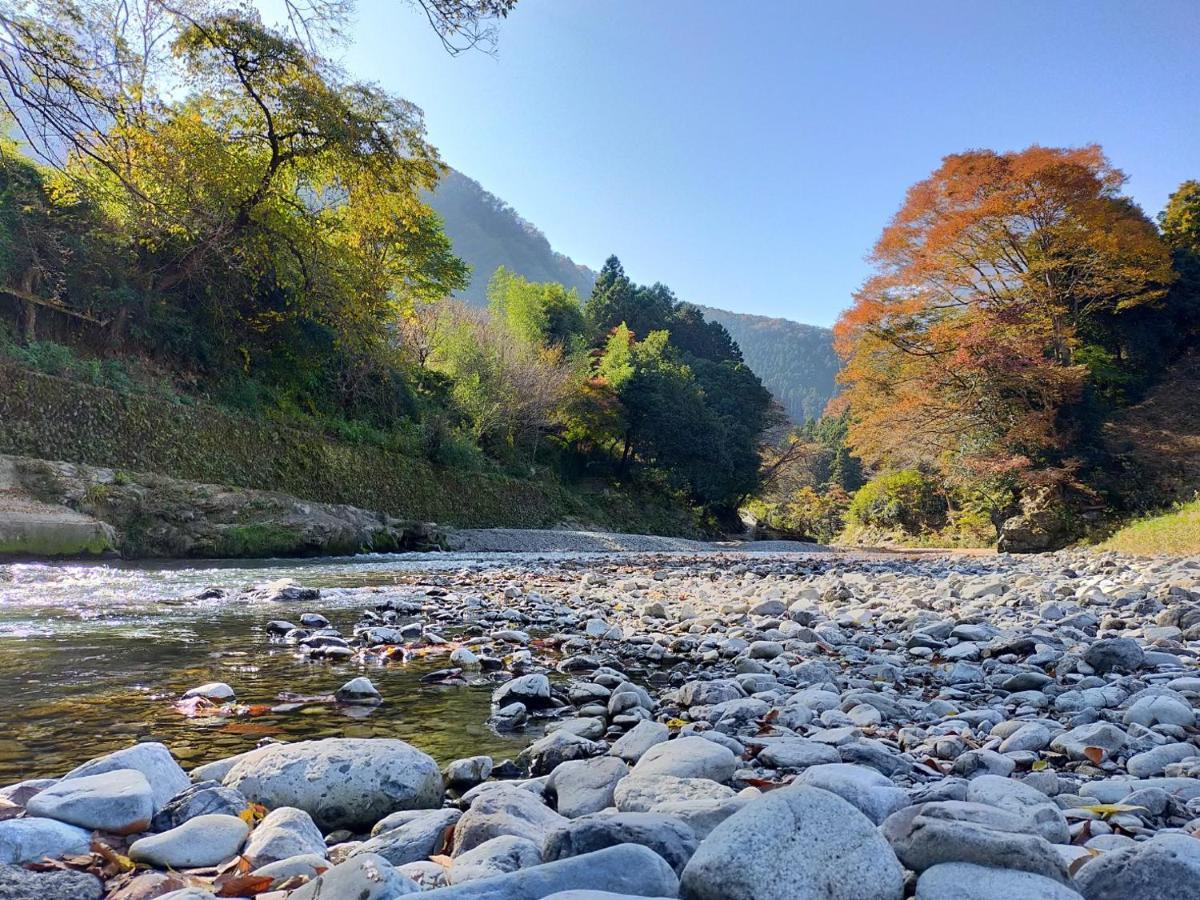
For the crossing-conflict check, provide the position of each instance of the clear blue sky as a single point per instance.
(748, 153)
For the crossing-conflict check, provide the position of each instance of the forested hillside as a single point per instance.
(796, 362)
(488, 233)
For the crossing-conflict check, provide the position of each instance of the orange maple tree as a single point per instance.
(961, 349)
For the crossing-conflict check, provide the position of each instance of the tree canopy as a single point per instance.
(996, 289)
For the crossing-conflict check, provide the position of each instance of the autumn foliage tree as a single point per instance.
(993, 302)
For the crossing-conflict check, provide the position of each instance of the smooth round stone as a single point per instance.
(340, 782)
(203, 841)
(800, 843)
(120, 801)
(32, 838)
(957, 881)
(214, 690)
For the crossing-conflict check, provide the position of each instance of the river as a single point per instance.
(93, 655)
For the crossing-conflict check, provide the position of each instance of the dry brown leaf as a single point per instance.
(1095, 754)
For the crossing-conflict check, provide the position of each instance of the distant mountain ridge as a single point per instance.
(796, 362)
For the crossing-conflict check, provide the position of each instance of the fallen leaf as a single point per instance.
(1095, 754)
(1110, 809)
(1040, 765)
(241, 885)
(442, 860)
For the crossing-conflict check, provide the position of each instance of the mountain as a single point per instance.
(488, 233)
(796, 362)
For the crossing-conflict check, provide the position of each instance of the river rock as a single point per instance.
(366, 877)
(1076, 742)
(585, 786)
(800, 843)
(638, 794)
(282, 590)
(498, 856)
(1013, 796)
(865, 789)
(213, 690)
(531, 690)
(201, 799)
(283, 833)
(669, 838)
(32, 838)
(953, 831)
(358, 692)
(340, 782)
(1109, 654)
(625, 869)
(21, 884)
(308, 865)
(419, 835)
(1167, 865)
(795, 754)
(152, 759)
(959, 881)
(507, 810)
(120, 801)
(466, 773)
(634, 743)
(687, 757)
(201, 841)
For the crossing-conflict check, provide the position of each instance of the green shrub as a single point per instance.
(904, 500)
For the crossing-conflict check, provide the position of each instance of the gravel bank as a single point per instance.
(709, 727)
(529, 540)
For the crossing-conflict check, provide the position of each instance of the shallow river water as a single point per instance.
(92, 656)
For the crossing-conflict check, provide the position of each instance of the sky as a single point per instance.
(748, 154)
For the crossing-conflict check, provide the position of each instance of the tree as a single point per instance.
(964, 347)
(545, 315)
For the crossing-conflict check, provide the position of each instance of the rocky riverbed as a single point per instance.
(711, 726)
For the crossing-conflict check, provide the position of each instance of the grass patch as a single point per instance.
(1175, 533)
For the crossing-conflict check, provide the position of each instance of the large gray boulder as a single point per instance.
(200, 841)
(21, 884)
(687, 757)
(282, 834)
(340, 782)
(1015, 797)
(1167, 865)
(31, 839)
(120, 801)
(955, 831)
(625, 869)
(504, 811)
(669, 838)
(152, 759)
(801, 843)
(366, 877)
(959, 881)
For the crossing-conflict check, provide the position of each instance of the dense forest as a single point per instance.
(1019, 304)
(796, 362)
(203, 204)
